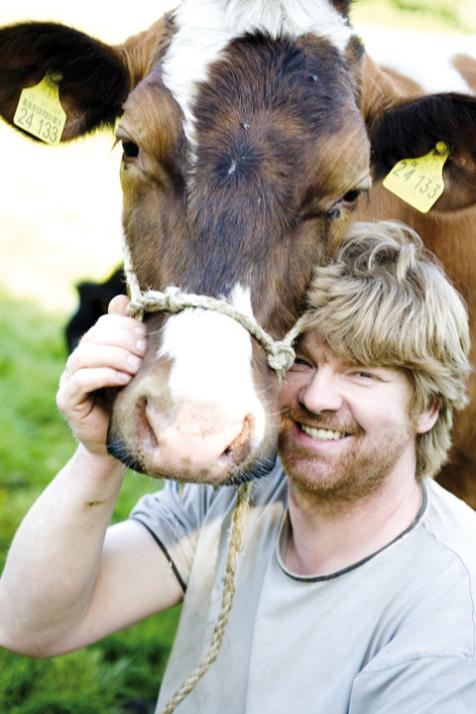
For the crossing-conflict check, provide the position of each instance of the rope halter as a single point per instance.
(280, 353)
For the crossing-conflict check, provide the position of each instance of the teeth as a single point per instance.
(322, 434)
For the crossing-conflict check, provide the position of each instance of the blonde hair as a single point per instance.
(385, 301)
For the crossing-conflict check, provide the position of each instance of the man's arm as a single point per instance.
(69, 580)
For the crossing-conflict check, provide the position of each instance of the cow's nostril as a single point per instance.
(240, 447)
(145, 425)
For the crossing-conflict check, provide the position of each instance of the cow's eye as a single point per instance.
(347, 203)
(351, 197)
(130, 149)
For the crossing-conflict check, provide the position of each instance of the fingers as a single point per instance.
(118, 305)
(117, 330)
(125, 356)
(76, 390)
(109, 354)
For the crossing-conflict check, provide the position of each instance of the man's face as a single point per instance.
(345, 427)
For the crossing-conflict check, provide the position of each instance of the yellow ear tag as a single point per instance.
(419, 181)
(39, 110)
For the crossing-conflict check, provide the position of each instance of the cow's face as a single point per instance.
(233, 188)
(244, 155)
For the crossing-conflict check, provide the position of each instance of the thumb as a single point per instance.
(118, 305)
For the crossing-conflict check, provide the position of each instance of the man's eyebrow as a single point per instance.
(355, 364)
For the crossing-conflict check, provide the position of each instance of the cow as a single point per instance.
(250, 134)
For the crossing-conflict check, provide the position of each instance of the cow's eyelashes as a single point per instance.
(130, 150)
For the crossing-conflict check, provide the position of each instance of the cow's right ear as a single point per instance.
(96, 77)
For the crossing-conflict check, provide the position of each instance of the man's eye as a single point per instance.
(364, 375)
(301, 363)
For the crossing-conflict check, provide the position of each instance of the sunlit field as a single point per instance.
(60, 222)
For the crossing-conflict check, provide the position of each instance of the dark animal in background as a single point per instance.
(93, 301)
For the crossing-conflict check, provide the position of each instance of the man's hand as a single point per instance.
(109, 355)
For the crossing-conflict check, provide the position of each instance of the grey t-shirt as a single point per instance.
(393, 634)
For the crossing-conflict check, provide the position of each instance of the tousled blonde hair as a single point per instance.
(384, 301)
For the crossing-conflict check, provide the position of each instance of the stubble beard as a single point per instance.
(357, 473)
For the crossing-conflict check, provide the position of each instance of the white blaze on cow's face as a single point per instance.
(210, 357)
(206, 27)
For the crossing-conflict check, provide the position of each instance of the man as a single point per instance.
(356, 582)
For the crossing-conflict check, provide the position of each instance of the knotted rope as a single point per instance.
(281, 356)
(280, 353)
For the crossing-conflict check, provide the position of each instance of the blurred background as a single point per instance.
(60, 222)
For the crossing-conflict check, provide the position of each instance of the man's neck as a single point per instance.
(324, 539)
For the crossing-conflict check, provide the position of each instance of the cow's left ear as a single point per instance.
(412, 129)
(95, 77)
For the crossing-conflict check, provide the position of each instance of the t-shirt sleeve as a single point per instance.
(424, 685)
(173, 517)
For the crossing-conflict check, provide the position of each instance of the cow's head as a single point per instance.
(243, 154)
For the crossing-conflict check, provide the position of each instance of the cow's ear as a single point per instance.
(412, 129)
(95, 77)
(94, 80)
(141, 52)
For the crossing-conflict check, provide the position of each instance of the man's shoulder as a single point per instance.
(434, 570)
(451, 523)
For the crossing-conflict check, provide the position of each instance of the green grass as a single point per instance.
(35, 442)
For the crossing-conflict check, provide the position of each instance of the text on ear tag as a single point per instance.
(39, 111)
(419, 181)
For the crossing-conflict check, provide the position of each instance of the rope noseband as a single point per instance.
(280, 353)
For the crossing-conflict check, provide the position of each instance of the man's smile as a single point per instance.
(321, 434)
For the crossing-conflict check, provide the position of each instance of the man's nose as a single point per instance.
(322, 393)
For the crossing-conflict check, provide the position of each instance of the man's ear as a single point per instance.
(425, 421)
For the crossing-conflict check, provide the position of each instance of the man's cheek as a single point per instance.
(286, 393)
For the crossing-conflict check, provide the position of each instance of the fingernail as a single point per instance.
(124, 377)
(134, 362)
(141, 345)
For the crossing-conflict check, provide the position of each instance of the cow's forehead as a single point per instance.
(204, 28)
(269, 109)
(271, 100)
